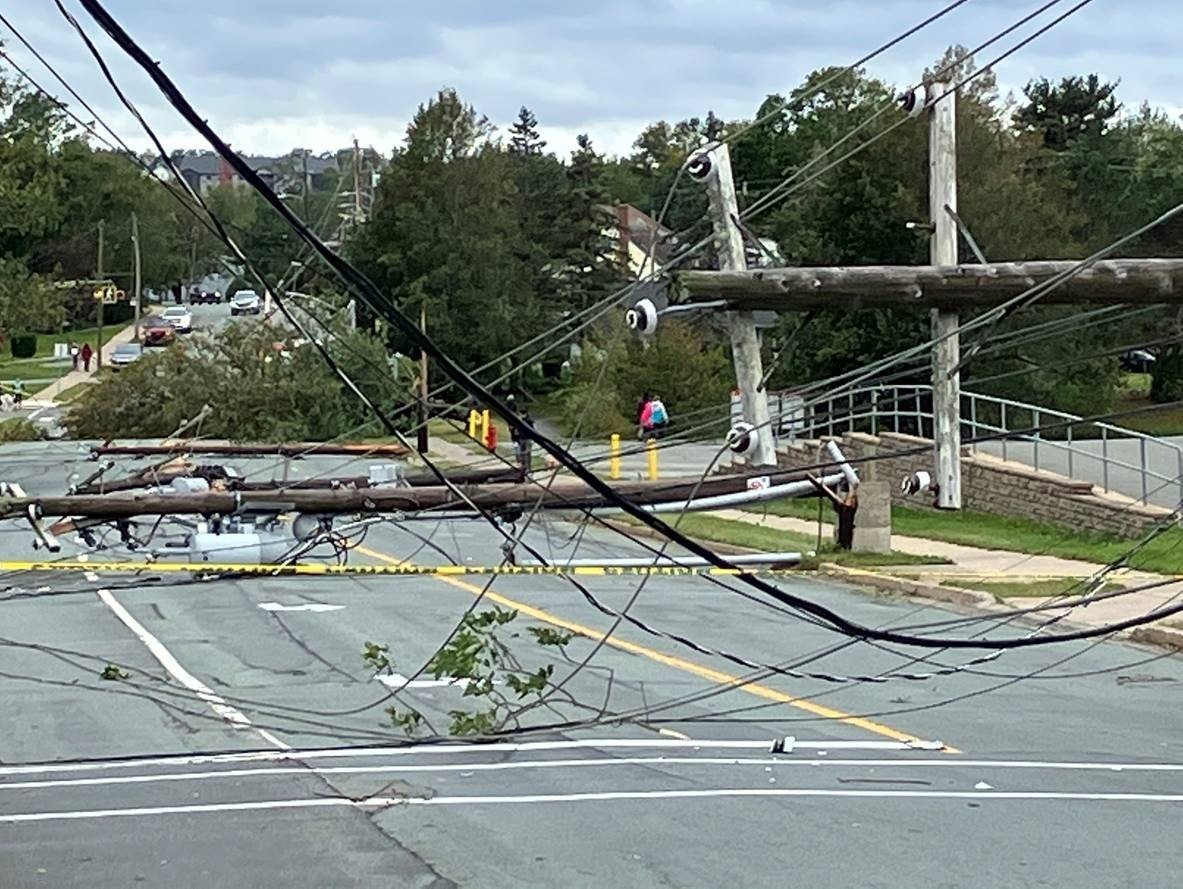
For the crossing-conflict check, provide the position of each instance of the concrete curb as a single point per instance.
(1166, 637)
(1158, 636)
(892, 584)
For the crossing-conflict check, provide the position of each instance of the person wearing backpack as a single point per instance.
(659, 418)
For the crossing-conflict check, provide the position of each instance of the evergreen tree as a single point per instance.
(523, 135)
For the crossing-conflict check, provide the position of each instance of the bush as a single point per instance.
(257, 392)
(690, 374)
(1166, 382)
(24, 345)
(20, 430)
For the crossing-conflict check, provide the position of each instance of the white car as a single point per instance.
(179, 317)
(245, 302)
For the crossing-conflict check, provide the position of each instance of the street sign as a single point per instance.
(108, 295)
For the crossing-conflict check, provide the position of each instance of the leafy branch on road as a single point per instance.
(477, 658)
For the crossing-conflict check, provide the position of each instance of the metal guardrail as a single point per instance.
(1117, 459)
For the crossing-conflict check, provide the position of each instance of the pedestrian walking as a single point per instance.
(659, 418)
(87, 354)
(643, 417)
(74, 354)
(18, 391)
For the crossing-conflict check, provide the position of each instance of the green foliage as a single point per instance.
(112, 673)
(261, 386)
(478, 656)
(23, 345)
(19, 429)
(684, 367)
(1166, 382)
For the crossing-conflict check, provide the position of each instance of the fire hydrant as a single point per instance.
(491, 438)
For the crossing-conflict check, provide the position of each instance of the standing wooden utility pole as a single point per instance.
(137, 281)
(946, 354)
(745, 340)
(358, 208)
(98, 354)
(422, 443)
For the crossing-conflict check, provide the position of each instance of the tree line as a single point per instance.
(494, 236)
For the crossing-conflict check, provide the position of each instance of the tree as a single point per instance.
(523, 135)
(260, 385)
(1064, 114)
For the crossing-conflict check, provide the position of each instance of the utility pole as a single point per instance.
(946, 354)
(745, 340)
(358, 209)
(98, 354)
(422, 443)
(306, 185)
(137, 280)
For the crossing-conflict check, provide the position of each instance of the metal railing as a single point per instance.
(1125, 461)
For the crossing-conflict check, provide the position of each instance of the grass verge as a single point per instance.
(706, 527)
(1035, 589)
(1163, 555)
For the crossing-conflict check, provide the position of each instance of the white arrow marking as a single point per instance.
(317, 607)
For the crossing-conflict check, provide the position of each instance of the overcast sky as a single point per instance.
(272, 75)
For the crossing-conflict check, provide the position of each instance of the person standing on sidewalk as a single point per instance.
(74, 354)
(18, 391)
(87, 354)
(523, 444)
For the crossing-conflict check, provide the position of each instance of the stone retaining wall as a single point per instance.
(989, 484)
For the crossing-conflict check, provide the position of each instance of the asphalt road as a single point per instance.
(249, 747)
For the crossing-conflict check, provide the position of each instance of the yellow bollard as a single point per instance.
(474, 419)
(614, 464)
(485, 425)
(651, 447)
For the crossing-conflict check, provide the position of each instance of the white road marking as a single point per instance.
(384, 802)
(165, 658)
(433, 748)
(598, 762)
(315, 607)
(399, 681)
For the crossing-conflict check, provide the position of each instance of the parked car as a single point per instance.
(1138, 361)
(179, 317)
(157, 332)
(245, 302)
(124, 354)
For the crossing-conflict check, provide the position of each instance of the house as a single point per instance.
(205, 170)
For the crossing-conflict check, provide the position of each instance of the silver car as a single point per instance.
(245, 302)
(124, 354)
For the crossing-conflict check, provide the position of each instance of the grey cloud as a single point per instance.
(367, 64)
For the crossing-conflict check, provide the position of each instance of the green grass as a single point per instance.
(42, 370)
(1163, 555)
(1168, 421)
(1040, 589)
(706, 527)
(69, 394)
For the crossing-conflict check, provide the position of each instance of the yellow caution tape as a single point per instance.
(397, 570)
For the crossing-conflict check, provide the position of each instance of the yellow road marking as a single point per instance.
(678, 663)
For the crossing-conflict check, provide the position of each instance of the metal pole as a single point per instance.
(946, 382)
(1035, 424)
(745, 340)
(614, 464)
(1105, 459)
(98, 354)
(1005, 430)
(1142, 451)
(1070, 475)
(137, 283)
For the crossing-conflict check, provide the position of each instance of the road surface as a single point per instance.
(249, 746)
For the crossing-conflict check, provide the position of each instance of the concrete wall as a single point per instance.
(989, 484)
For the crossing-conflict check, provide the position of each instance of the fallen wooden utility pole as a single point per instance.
(218, 475)
(297, 449)
(1108, 282)
(561, 494)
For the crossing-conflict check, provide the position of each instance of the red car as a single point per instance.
(157, 332)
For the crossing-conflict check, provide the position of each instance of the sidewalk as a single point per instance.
(48, 396)
(969, 562)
